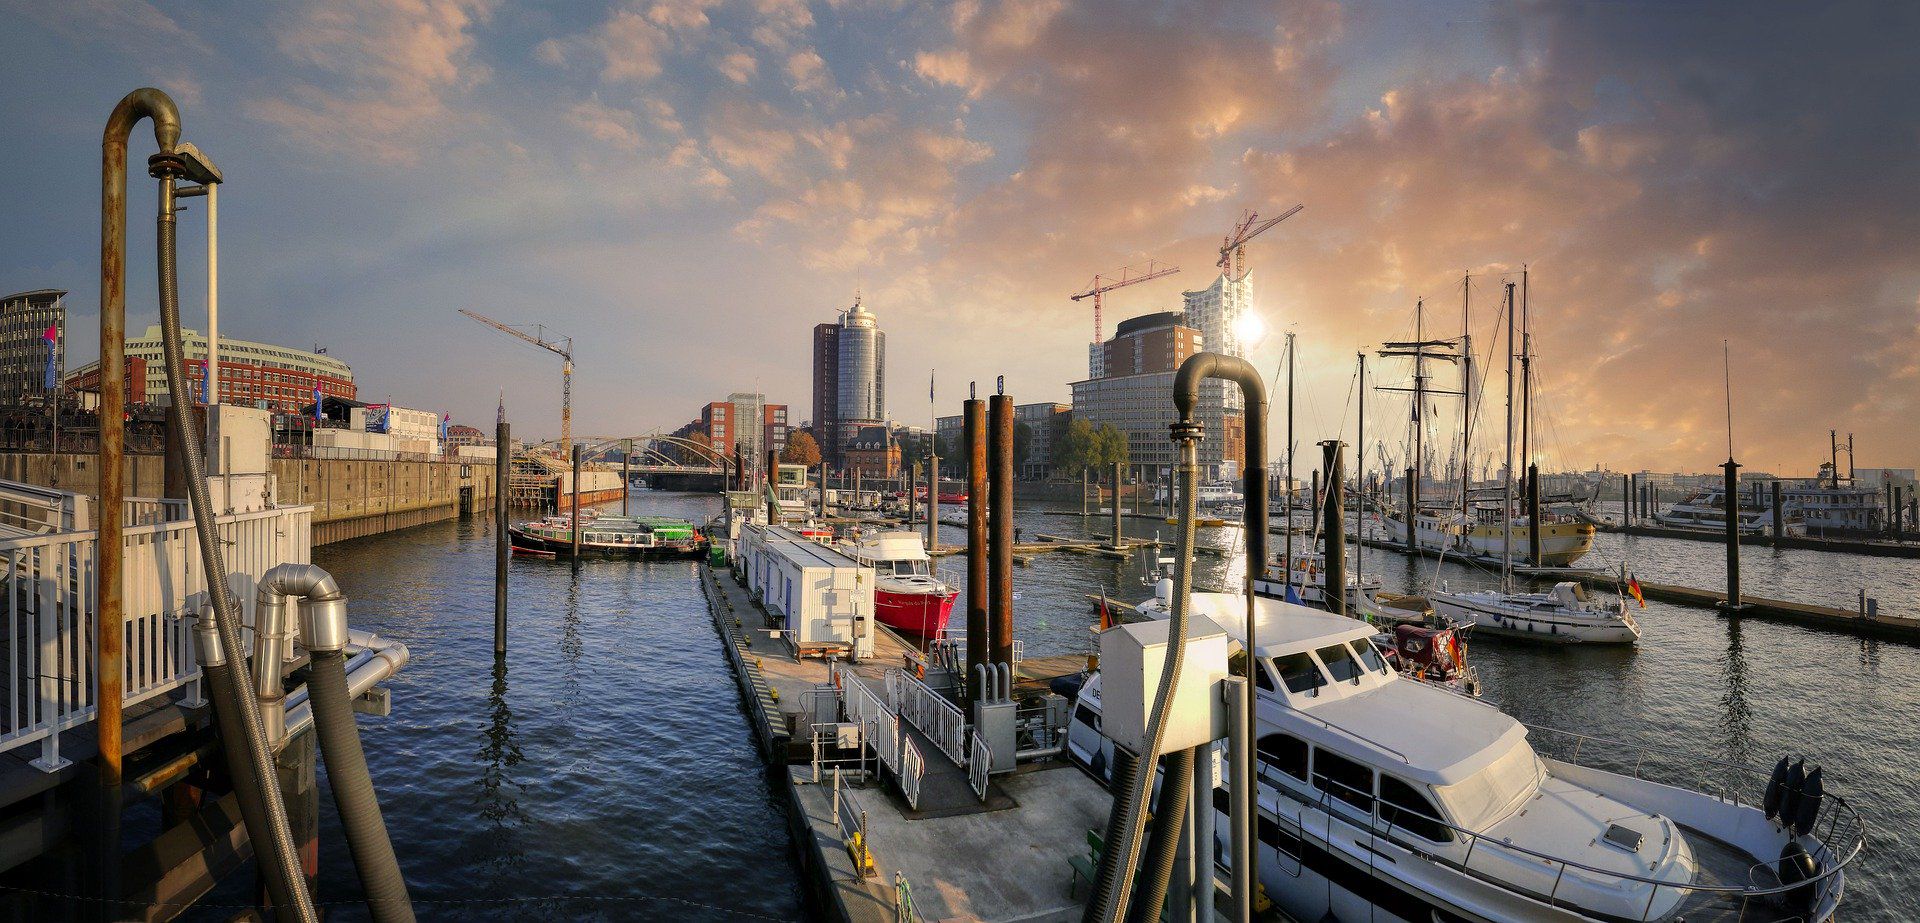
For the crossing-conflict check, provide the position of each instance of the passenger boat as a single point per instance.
(609, 537)
(1564, 537)
(1567, 614)
(1707, 509)
(907, 597)
(1381, 798)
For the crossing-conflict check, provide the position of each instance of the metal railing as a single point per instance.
(912, 768)
(1844, 840)
(50, 608)
(929, 711)
(951, 648)
(978, 767)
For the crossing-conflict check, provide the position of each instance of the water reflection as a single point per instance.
(1736, 719)
(499, 798)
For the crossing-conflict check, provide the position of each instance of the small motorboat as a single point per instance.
(609, 537)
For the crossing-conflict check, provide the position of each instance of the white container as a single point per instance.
(823, 598)
(1132, 658)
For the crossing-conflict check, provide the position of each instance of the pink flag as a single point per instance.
(52, 334)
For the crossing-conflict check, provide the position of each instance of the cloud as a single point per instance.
(382, 76)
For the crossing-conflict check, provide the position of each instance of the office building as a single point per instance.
(24, 320)
(849, 379)
(744, 421)
(251, 374)
(1040, 420)
(1136, 394)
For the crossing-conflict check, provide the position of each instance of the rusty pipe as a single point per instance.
(110, 625)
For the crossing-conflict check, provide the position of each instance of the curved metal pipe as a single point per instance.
(249, 757)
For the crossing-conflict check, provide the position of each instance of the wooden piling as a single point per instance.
(575, 531)
(1779, 517)
(1000, 527)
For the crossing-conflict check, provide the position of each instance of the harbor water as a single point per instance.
(607, 771)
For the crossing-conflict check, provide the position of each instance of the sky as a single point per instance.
(686, 187)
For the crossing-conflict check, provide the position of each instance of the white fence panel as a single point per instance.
(977, 770)
(51, 582)
(912, 767)
(936, 717)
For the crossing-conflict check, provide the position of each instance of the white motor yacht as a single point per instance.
(1386, 799)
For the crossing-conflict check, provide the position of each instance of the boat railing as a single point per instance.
(1843, 842)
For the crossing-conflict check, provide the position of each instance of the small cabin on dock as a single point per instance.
(822, 599)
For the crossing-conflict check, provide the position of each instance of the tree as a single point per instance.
(1112, 446)
(801, 449)
(1022, 443)
(1076, 448)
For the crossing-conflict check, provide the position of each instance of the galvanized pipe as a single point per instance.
(574, 531)
(1000, 527)
(974, 423)
(1731, 497)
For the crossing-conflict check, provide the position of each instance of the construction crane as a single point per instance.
(559, 346)
(1233, 250)
(1129, 275)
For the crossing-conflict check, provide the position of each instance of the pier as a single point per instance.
(1040, 814)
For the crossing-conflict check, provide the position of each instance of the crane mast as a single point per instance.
(1233, 250)
(1102, 284)
(559, 346)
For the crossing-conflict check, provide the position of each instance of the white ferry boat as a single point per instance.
(1706, 509)
(1386, 799)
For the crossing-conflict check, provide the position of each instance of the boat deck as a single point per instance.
(1722, 865)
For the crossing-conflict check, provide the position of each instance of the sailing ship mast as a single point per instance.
(1360, 484)
(1466, 397)
(1506, 518)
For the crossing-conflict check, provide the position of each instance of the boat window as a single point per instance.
(1343, 778)
(1340, 663)
(1370, 657)
(1088, 718)
(1286, 753)
(1298, 672)
(1405, 807)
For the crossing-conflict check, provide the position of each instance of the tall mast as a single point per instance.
(1360, 485)
(1419, 398)
(1526, 377)
(1466, 396)
(1287, 566)
(1506, 517)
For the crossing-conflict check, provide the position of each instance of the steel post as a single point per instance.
(974, 422)
(1000, 525)
(1730, 496)
(575, 531)
(626, 475)
(933, 504)
(1117, 538)
(1240, 782)
(503, 455)
(1779, 517)
(1334, 591)
(1533, 515)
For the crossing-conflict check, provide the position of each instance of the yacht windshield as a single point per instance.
(905, 568)
(1299, 672)
(1371, 657)
(1482, 799)
(1340, 663)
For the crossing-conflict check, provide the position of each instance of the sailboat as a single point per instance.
(1565, 614)
(1472, 528)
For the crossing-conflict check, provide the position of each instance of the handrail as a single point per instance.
(931, 713)
(1822, 879)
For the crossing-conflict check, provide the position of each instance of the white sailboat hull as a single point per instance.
(1489, 615)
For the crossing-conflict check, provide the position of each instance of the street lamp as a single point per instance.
(201, 170)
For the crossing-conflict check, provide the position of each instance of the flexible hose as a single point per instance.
(1163, 850)
(353, 794)
(1106, 879)
(1110, 905)
(248, 759)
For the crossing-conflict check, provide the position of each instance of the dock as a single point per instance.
(867, 853)
(1880, 548)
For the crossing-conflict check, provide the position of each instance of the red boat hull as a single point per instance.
(921, 614)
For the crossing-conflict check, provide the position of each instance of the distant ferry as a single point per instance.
(1707, 509)
(609, 537)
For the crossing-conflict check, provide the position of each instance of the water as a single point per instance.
(609, 773)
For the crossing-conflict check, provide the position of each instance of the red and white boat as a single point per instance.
(907, 597)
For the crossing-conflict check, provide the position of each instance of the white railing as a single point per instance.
(887, 741)
(930, 711)
(912, 767)
(50, 605)
(977, 769)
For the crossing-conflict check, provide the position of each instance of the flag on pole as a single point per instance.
(1633, 586)
(929, 386)
(52, 336)
(317, 416)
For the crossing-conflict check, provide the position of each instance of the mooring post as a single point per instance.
(626, 475)
(575, 531)
(1116, 505)
(974, 421)
(1730, 498)
(933, 503)
(1334, 592)
(1779, 517)
(502, 462)
(1086, 475)
(1000, 524)
(1626, 500)
(1533, 515)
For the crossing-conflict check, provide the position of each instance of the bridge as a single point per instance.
(666, 462)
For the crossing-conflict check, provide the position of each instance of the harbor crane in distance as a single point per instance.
(1129, 275)
(1233, 250)
(559, 346)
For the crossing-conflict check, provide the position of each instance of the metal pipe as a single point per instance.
(1000, 528)
(1201, 878)
(250, 759)
(1186, 397)
(974, 423)
(502, 453)
(1779, 517)
(626, 477)
(110, 625)
(374, 660)
(1334, 591)
(1116, 505)
(1236, 691)
(933, 503)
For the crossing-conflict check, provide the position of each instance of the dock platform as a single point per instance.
(935, 856)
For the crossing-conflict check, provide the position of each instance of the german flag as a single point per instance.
(1633, 586)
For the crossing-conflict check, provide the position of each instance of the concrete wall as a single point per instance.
(350, 499)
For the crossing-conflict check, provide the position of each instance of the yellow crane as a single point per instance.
(559, 346)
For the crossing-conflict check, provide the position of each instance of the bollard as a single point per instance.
(1779, 517)
(503, 452)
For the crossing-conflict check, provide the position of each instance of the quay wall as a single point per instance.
(351, 498)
